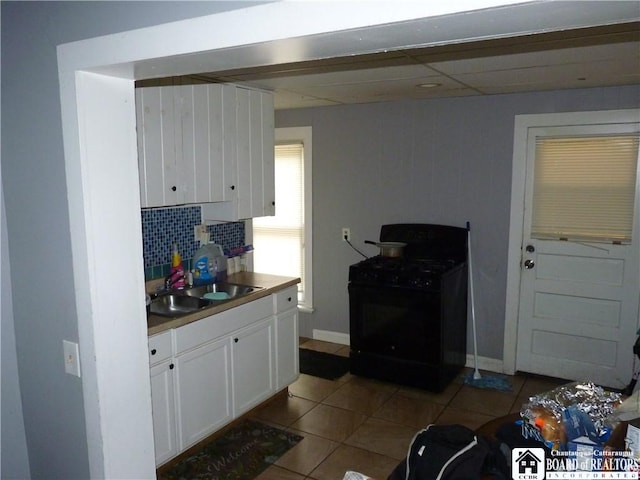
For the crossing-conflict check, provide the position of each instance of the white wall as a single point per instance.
(433, 161)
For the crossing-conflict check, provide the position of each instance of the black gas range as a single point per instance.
(400, 272)
(408, 315)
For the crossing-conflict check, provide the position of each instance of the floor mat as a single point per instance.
(240, 454)
(323, 365)
(489, 382)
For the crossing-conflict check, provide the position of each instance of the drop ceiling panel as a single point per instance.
(599, 56)
(627, 50)
(384, 90)
(580, 75)
(283, 100)
(390, 75)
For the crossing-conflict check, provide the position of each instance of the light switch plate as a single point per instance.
(71, 358)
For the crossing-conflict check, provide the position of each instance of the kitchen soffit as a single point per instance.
(580, 58)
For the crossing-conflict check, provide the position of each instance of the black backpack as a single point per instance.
(450, 452)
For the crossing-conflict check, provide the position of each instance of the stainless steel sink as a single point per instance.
(175, 305)
(220, 291)
(182, 302)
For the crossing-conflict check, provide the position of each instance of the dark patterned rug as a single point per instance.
(240, 454)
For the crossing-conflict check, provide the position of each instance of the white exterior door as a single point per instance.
(577, 306)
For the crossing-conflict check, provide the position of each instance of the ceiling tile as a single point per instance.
(535, 59)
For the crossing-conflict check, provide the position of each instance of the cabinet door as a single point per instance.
(204, 142)
(229, 142)
(158, 143)
(203, 391)
(163, 410)
(253, 367)
(287, 357)
(243, 190)
(255, 153)
(268, 155)
(256, 146)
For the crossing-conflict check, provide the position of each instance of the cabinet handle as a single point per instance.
(273, 203)
(174, 188)
(153, 352)
(171, 366)
(289, 299)
(235, 340)
(233, 187)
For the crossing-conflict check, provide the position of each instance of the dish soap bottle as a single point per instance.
(176, 274)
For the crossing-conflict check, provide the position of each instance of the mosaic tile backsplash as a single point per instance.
(162, 227)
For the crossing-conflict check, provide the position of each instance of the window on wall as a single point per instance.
(584, 188)
(283, 242)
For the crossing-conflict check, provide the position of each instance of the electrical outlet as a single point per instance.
(71, 358)
(346, 234)
(201, 234)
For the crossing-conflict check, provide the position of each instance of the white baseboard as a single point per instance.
(333, 337)
(484, 363)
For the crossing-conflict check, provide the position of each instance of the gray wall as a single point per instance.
(434, 161)
(34, 189)
(14, 461)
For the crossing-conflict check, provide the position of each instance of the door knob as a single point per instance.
(529, 264)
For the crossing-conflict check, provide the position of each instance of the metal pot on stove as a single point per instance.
(389, 249)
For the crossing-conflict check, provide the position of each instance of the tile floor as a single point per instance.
(366, 425)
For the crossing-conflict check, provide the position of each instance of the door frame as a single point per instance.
(97, 104)
(522, 125)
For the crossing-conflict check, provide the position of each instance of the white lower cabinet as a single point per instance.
(203, 392)
(252, 367)
(285, 304)
(209, 372)
(164, 412)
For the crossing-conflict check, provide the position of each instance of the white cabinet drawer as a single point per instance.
(159, 347)
(285, 299)
(223, 323)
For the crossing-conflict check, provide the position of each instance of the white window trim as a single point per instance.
(297, 134)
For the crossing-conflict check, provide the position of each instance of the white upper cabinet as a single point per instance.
(157, 149)
(255, 161)
(207, 143)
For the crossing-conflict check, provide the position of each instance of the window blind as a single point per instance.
(282, 235)
(584, 188)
